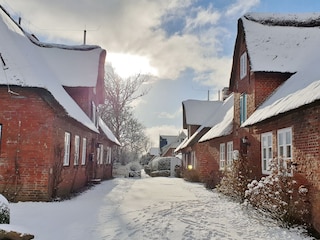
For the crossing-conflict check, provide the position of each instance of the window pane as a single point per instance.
(264, 153)
(84, 151)
(270, 152)
(280, 138)
(281, 151)
(269, 141)
(289, 151)
(288, 137)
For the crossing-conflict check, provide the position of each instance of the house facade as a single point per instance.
(276, 102)
(280, 114)
(52, 142)
(197, 152)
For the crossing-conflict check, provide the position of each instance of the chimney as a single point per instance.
(84, 37)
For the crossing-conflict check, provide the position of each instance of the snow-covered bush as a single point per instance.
(162, 173)
(235, 180)
(279, 196)
(161, 166)
(164, 164)
(4, 210)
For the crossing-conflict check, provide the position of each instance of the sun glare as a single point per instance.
(126, 65)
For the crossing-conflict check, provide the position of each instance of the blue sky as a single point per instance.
(186, 44)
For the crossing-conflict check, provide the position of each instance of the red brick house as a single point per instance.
(52, 141)
(170, 143)
(276, 85)
(196, 151)
(275, 82)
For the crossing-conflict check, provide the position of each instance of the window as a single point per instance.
(94, 113)
(222, 155)
(243, 65)
(229, 153)
(193, 160)
(84, 151)
(109, 154)
(66, 159)
(76, 150)
(100, 154)
(285, 148)
(243, 108)
(266, 152)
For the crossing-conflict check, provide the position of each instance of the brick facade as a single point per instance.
(32, 147)
(305, 125)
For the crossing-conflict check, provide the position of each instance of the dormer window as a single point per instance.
(243, 65)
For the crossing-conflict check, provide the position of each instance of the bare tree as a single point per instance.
(118, 114)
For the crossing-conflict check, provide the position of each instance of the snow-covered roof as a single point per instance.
(28, 64)
(275, 47)
(220, 122)
(197, 111)
(284, 43)
(108, 132)
(223, 121)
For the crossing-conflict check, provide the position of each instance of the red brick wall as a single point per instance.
(266, 83)
(208, 157)
(305, 123)
(25, 145)
(33, 128)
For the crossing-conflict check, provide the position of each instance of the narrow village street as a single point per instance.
(146, 208)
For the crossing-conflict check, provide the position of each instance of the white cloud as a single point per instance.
(168, 115)
(241, 7)
(126, 65)
(203, 17)
(131, 28)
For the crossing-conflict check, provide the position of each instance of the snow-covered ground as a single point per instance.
(146, 208)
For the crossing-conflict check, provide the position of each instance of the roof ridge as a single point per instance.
(285, 20)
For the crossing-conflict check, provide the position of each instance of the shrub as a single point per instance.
(211, 180)
(147, 169)
(161, 173)
(164, 164)
(177, 171)
(4, 210)
(235, 180)
(279, 196)
(191, 175)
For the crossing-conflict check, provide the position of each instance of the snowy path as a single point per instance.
(147, 208)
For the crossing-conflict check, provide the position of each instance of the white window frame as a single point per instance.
(67, 143)
(229, 154)
(243, 65)
(109, 155)
(94, 113)
(266, 152)
(100, 154)
(84, 151)
(76, 150)
(284, 145)
(243, 107)
(193, 160)
(222, 156)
